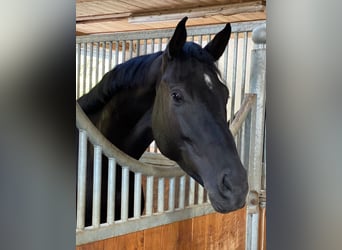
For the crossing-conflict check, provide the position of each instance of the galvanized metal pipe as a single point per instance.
(124, 193)
(149, 195)
(192, 191)
(84, 67)
(137, 195)
(172, 193)
(97, 186)
(116, 53)
(81, 179)
(78, 70)
(181, 192)
(160, 195)
(97, 52)
(257, 86)
(200, 194)
(111, 190)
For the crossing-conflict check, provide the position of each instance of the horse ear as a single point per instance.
(177, 40)
(217, 46)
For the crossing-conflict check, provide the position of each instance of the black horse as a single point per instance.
(176, 98)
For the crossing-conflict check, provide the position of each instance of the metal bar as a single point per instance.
(97, 63)
(257, 86)
(199, 30)
(130, 49)
(116, 53)
(81, 179)
(145, 47)
(97, 186)
(152, 45)
(200, 194)
(252, 231)
(181, 192)
(137, 195)
(138, 47)
(84, 67)
(192, 191)
(233, 87)
(172, 193)
(225, 66)
(78, 70)
(103, 58)
(160, 44)
(123, 52)
(90, 83)
(160, 195)
(124, 193)
(111, 190)
(149, 195)
(200, 40)
(110, 50)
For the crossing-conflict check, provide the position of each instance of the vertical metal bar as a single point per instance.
(152, 45)
(81, 179)
(110, 48)
(123, 52)
(149, 195)
(192, 192)
(111, 190)
(160, 44)
(233, 88)
(84, 67)
(200, 40)
(130, 49)
(244, 64)
(90, 83)
(137, 195)
(97, 63)
(252, 231)
(116, 53)
(145, 46)
(103, 58)
(240, 141)
(124, 193)
(172, 194)
(181, 192)
(138, 47)
(257, 86)
(97, 186)
(200, 194)
(225, 65)
(78, 70)
(160, 195)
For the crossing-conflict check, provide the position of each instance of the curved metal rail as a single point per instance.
(168, 168)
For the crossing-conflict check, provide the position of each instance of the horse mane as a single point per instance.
(125, 75)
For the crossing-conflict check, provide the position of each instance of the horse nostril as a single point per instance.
(226, 184)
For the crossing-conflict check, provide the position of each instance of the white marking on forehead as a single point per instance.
(208, 81)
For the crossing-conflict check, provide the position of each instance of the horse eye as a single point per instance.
(177, 97)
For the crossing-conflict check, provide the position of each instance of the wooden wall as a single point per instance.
(214, 231)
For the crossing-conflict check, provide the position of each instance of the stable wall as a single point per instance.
(214, 231)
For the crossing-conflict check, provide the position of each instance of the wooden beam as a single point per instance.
(176, 14)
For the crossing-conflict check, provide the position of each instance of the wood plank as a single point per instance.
(200, 232)
(153, 239)
(170, 236)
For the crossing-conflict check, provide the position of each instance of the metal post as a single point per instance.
(82, 177)
(257, 86)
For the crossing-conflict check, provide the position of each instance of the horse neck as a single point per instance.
(126, 118)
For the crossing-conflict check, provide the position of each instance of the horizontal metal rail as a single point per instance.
(191, 31)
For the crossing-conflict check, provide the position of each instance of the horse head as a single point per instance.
(189, 119)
